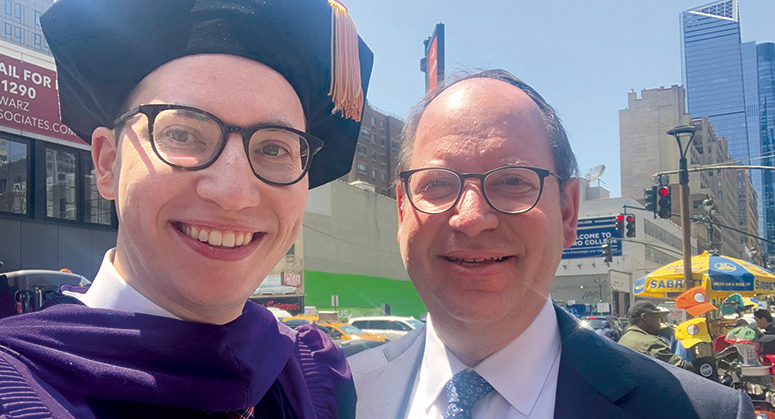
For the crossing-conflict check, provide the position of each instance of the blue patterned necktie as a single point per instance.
(464, 390)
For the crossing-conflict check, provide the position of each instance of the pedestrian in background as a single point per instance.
(643, 335)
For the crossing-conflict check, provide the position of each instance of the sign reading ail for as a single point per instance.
(29, 100)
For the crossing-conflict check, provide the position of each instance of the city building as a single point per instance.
(645, 144)
(765, 58)
(21, 23)
(346, 253)
(585, 282)
(376, 154)
(51, 215)
(722, 80)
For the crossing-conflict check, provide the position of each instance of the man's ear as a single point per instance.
(570, 210)
(104, 154)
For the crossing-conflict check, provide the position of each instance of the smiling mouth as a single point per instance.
(218, 238)
(477, 262)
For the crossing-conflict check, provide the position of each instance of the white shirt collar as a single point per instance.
(532, 354)
(110, 291)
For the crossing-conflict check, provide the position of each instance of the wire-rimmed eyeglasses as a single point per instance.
(508, 189)
(192, 139)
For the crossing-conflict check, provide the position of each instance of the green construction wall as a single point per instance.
(361, 294)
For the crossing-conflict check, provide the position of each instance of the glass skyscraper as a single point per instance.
(723, 81)
(765, 58)
(713, 71)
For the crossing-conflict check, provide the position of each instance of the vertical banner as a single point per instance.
(433, 62)
(29, 100)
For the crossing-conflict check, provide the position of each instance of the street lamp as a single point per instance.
(685, 131)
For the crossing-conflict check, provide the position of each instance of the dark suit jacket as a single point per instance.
(597, 379)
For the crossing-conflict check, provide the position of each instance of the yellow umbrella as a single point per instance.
(720, 275)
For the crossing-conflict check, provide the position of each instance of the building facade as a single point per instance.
(376, 154)
(586, 283)
(765, 59)
(20, 20)
(347, 249)
(644, 143)
(51, 214)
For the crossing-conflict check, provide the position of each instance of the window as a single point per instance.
(394, 145)
(366, 133)
(37, 20)
(710, 150)
(382, 176)
(720, 195)
(37, 41)
(382, 141)
(60, 184)
(719, 183)
(382, 159)
(18, 13)
(7, 31)
(7, 6)
(373, 173)
(710, 159)
(373, 121)
(18, 35)
(96, 208)
(373, 138)
(14, 166)
(361, 167)
(361, 149)
(374, 155)
(382, 124)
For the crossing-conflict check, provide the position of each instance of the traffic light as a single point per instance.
(608, 255)
(630, 225)
(620, 225)
(664, 207)
(650, 196)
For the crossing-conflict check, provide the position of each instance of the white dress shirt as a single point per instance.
(523, 374)
(110, 291)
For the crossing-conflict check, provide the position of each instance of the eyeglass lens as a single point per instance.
(191, 139)
(511, 189)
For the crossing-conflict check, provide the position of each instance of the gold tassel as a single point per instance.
(345, 91)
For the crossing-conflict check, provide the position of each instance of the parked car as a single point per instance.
(392, 327)
(279, 314)
(596, 322)
(345, 332)
(296, 321)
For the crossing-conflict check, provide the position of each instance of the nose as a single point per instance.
(472, 214)
(229, 182)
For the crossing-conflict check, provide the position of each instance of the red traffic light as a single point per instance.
(664, 191)
(630, 218)
(620, 218)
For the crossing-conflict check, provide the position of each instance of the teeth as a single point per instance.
(495, 259)
(223, 238)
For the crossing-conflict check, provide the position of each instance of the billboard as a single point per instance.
(29, 100)
(591, 234)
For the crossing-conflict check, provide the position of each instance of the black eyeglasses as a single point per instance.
(508, 189)
(192, 139)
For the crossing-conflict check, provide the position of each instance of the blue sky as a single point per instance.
(582, 56)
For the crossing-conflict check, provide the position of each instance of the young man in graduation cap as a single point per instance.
(208, 120)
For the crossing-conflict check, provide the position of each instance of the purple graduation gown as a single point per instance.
(69, 360)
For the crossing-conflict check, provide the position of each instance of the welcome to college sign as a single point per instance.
(29, 100)
(591, 234)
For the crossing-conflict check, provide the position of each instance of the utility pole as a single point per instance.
(683, 182)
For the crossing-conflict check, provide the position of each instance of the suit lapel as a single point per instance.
(592, 376)
(391, 386)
